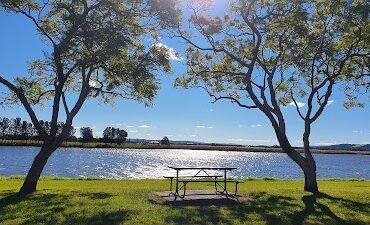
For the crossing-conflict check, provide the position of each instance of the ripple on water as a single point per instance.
(153, 163)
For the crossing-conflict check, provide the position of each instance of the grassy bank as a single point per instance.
(65, 201)
(172, 146)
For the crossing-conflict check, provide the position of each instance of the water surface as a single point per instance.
(153, 163)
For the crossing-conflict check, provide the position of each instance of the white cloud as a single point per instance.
(133, 131)
(211, 110)
(200, 126)
(95, 84)
(357, 131)
(209, 127)
(118, 124)
(248, 140)
(299, 104)
(171, 53)
(193, 135)
(256, 125)
(144, 126)
(130, 126)
(330, 102)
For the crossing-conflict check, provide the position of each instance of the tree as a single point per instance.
(86, 134)
(165, 141)
(96, 51)
(268, 54)
(116, 135)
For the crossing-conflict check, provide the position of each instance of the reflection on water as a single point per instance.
(153, 163)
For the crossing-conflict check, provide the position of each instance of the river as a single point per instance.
(153, 163)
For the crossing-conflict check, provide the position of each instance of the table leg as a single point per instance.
(177, 182)
(225, 189)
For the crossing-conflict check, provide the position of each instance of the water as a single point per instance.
(153, 163)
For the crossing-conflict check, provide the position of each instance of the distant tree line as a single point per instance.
(16, 129)
(110, 135)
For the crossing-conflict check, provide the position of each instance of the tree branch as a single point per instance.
(22, 98)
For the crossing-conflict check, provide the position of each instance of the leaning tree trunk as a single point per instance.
(34, 173)
(308, 166)
(307, 163)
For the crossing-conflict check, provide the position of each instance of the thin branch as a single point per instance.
(296, 105)
(20, 94)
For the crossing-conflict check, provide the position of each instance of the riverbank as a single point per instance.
(173, 146)
(73, 201)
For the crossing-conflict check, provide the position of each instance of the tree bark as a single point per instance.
(307, 163)
(309, 170)
(37, 167)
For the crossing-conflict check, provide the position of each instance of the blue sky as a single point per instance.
(179, 114)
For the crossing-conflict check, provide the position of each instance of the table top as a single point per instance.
(202, 168)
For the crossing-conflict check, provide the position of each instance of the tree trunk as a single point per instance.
(307, 163)
(309, 170)
(37, 167)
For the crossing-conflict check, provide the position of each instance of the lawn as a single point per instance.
(67, 201)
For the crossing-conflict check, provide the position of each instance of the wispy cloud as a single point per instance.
(211, 110)
(133, 131)
(193, 135)
(210, 127)
(256, 125)
(357, 132)
(330, 102)
(299, 104)
(325, 143)
(130, 126)
(144, 126)
(118, 124)
(200, 126)
(171, 53)
(248, 140)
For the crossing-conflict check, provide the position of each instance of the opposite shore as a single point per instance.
(176, 146)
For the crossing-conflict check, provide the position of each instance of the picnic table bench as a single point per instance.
(199, 178)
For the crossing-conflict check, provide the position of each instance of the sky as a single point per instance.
(178, 113)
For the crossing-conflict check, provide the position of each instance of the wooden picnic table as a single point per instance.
(207, 177)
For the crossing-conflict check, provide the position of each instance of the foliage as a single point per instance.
(23, 130)
(292, 46)
(116, 135)
(98, 201)
(165, 141)
(86, 134)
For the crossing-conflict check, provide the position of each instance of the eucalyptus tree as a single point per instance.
(268, 54)
(96, 50)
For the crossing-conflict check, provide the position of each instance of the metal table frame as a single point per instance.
(176, 192)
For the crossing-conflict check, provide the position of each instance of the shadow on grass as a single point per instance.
(58, 208)
(312, 205)
(273, 209)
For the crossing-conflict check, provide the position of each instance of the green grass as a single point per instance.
(96, 201)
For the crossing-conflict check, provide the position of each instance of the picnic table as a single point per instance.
(201, 174)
